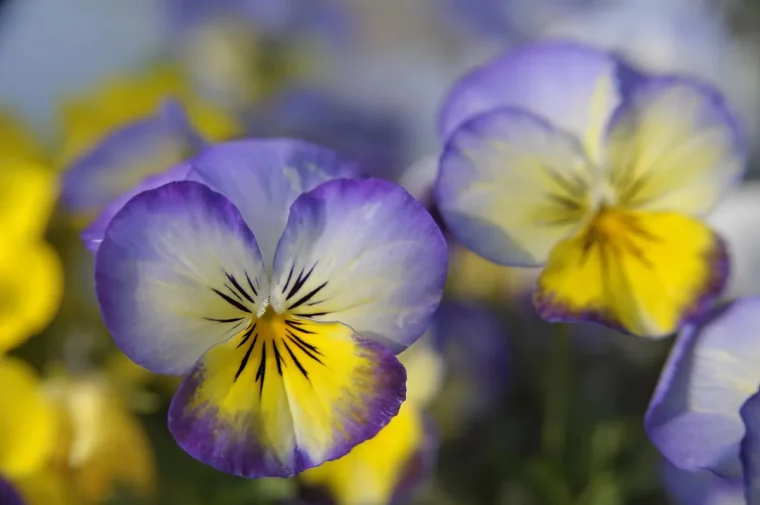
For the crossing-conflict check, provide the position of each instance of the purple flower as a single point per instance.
(281, 292)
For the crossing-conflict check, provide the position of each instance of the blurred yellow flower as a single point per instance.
(68, 441)
(31, 276)
(373, 471)
(88, 117)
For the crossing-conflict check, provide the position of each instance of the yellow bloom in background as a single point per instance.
(92, 114)
(69, 440)
(31, 275)
(373, 472)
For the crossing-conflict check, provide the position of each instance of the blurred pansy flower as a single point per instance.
(393, 463)
(68, 440)
(31, 276)
(17, 141)
(695, 416)
(281, 294)
(559, 155)
(241, 51)
(128, 140)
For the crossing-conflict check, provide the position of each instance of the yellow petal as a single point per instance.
(425, 368)
(643, 273)
(28, 423)
(108, 446)
(31, 286)
(17, 140)
(27, 195)
(372, 471)
(46, 487)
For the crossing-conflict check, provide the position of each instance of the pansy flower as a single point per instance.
(695, 416)
(280, 292)
(132, 128)
(559, 155)
(700, 487)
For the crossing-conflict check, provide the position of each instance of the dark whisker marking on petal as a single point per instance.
(314, 314)
(244, 362)
(298, 328)
(231, 301)
(233, 320)
(305, 298)
(572, 186)
(564, 201)
(239, 287)
(234, 292)
(287, 282)
(277, 358)
(247, 335)
(262, 368)
(255, 293)
(299, 343)
(296, 361)
(300, 281)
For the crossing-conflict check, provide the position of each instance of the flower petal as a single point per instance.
(8, 494)
(288, 395)
(363, 253)
(31, 283)
(126, 156)
(673, 145)
(28, 420)
(701, 487)
(178, 272)
(750, 449)
(511, 186)
(643, 273)
(693, 418)
(28, 193)
(373, 471)
(92, 236)
(264, 177)
(574, 87)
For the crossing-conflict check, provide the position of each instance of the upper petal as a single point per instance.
(177, 272)
(263, 177)
(574, 87)
(643, 273)
(674, 145)
(693, 417)
(363, 253)
(126, 156)
(511, 186)
(750, 449)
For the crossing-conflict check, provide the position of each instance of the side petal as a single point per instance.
(573, 86)
(700, 487)
(674, 145)
(693, 418)
(177, 272)
(126, 156)
(92, 236)
(28, 420)
(511, 186)
(279, 402)
(264, 177)
(363, 253)
(373, 471)
(28, 193)
(642, 273)
(750, 449)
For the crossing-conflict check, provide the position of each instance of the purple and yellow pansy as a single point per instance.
(281, 289)
(562, 156)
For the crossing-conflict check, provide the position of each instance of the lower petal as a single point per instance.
(643, 273)
(750, 449)
(285, 395)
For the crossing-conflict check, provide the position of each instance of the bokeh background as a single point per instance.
(521, 412)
